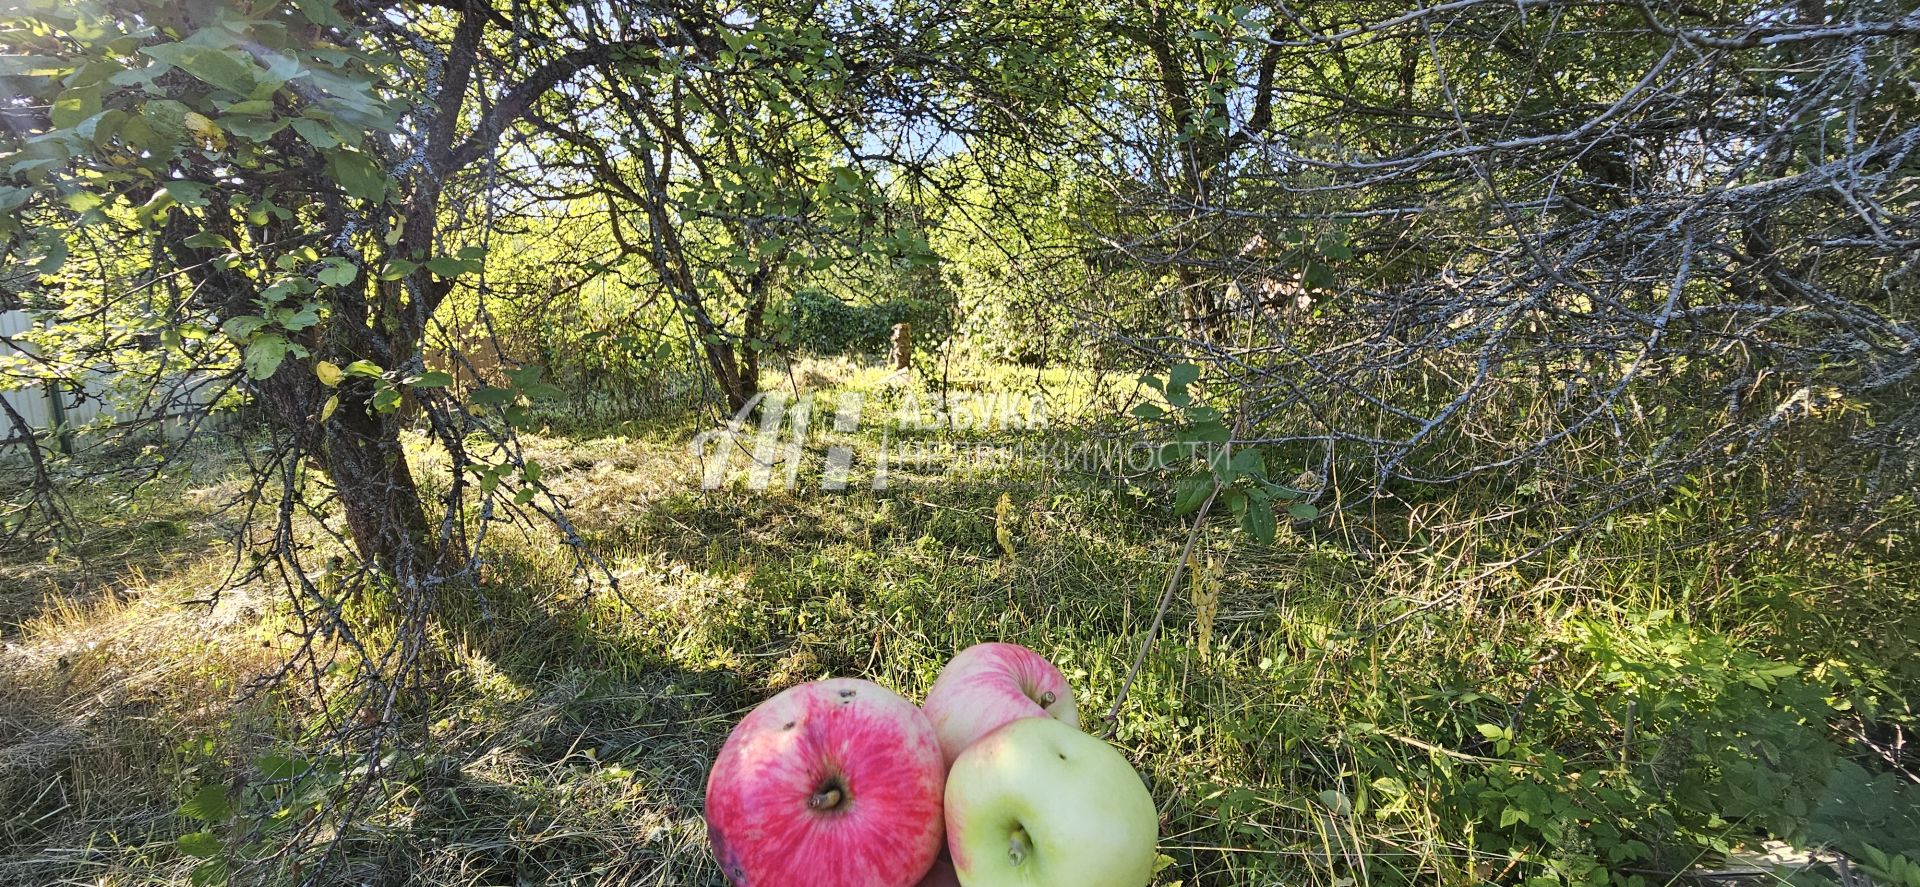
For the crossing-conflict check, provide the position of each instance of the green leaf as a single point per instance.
(277, 767)
(239, 328)
(491, 396)
(316, 133)
(339, 272)
(448, 266)
(359, 176)
(296, 320)
(186, 193)
(1148, 411)
(33, 66)
(251, 108)
(55, 258)
(75, 105)
(1258, 520)
(321, 12)
(1205, 432)
(102, 127)
(386, 399)
(209, 804)
(209, 873)
(220, 67)
(1183, 375)
(264, 356)
(252, 129)
(1303, 511)
(432, 379)
(1192, 492)
(199, 844)
(364, 368)
(1319, 276)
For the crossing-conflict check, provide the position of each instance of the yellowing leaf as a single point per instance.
(1004, 519)
(326, 412)
(328, 372)
(204, 131)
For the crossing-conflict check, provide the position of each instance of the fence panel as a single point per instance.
(30, 403)
(35, 402)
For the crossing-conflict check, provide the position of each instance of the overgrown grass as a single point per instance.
(1367, 701)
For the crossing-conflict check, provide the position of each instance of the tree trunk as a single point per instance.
(384, 512)
(362, 454)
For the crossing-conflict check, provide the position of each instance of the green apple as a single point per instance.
(1037, 803)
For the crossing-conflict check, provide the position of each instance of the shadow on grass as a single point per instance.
(118, 540)
(570, 748)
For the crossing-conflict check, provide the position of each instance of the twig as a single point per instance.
(1160, 613)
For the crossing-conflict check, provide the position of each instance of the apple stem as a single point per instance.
(1018, 846)
(1046, 699)
(826, 800)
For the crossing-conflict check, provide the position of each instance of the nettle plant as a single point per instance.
(1210, 466)
(1676, 746)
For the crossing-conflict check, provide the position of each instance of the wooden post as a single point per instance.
(903, 346)
(57, 420)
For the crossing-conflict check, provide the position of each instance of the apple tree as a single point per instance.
(281, 196)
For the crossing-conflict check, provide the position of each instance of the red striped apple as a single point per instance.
(836, 783)
(1038, 803)
(988, 685)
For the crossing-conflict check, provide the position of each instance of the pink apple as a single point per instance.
(988, 685)
(836, 783)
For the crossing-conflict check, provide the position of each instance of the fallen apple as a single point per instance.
(837, 783)
(1037, 803)
(988, 685)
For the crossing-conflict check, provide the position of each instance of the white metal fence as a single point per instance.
(32, 404)
(47, 409)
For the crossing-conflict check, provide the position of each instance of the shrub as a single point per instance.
(818, 322)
